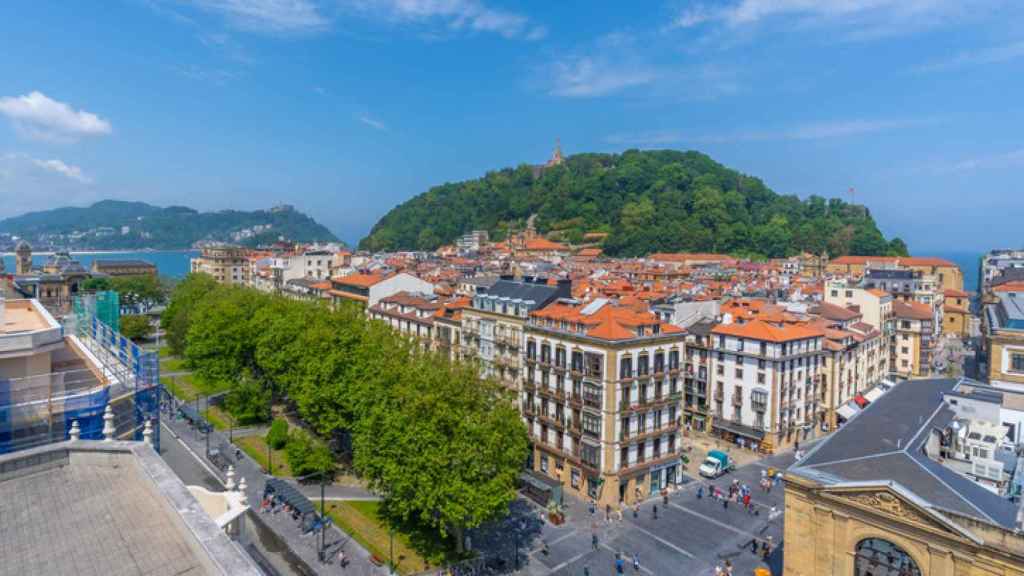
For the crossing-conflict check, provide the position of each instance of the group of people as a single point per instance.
(736, 493)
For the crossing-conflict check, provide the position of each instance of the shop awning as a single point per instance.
(860, 400)
(874, 394)
(736, 428)
(847, 411)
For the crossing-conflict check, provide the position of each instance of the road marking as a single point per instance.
(663, 541)
(713, 521)
(643, 568)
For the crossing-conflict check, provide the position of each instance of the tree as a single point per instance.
(98, 284)
(277, 435)
(177, 318)
(307, 455)
(136, 327)
(247, 400)
(442, 447)
(143, 291)
(222, 336)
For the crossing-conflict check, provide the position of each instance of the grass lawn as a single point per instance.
(164, 352)
(360, 519)
(256, 448)
(172, 364)
(181, 387)
(218, 417)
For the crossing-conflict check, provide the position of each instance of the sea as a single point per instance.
(968, 263)
(170, 263)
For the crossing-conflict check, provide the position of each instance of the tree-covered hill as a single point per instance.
(647, 201)
(116, 225)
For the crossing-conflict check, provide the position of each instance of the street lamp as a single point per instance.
(206, 427)
(391, 552)
(323, 517)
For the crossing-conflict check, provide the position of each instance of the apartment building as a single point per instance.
(408, 313)
(493, 323)
(856, 358)
(448, 328)
(956, 313)
(697, 413)
(1003, 324)
(367, 290)
(905, 285)
(947, 274)
(915, 339)
(601, 396)
(874, 305)
(766, 384)
(308, 265)
(227, 264)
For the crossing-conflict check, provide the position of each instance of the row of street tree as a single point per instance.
(442, 446)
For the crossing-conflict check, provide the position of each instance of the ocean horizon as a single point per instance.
(170, 263)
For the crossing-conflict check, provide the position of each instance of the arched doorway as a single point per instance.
(877, 557)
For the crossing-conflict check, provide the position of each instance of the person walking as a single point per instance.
(746, 502)
(700, 491)
(620, 566)
(586, 570)
(593, 540)
(636, 561)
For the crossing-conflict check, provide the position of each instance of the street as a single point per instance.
(690, 537)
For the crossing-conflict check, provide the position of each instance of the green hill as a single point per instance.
(117, 225)
(647, 201)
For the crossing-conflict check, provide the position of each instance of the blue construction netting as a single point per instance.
(109, 370)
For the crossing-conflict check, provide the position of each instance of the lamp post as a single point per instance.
(391, 550)
(323, 517)
(206, 427)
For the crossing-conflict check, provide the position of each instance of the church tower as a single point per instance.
(23, 258)
(556, 158)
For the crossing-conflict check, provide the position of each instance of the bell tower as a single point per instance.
(23, 258)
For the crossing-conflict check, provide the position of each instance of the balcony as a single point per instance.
(650, 403)
(657, 461)
(552, 421)
(575, 400)
(512, 341)
(551, 393)
(627, 436)
(529, 409)
(531, 360)
(719, 395)
(759, 406)
(529, 386)
(737, 400)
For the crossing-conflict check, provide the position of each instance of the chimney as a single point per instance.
(564, 288)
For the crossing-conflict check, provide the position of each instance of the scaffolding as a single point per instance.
(104, 305)
(96, 367)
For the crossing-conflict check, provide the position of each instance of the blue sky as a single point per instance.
(347, 107)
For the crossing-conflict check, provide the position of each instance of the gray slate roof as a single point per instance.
(884, 443)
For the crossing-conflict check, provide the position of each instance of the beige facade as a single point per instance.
(827, 524)
(947, 274)
(604, 413)
(494, 339)
(227, 264)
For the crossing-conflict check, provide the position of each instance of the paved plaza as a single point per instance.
(689, 537)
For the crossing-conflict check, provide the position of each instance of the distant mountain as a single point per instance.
(644, 201)
(116, 225)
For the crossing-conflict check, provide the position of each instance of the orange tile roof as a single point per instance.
(1014, 286)
(760, 330)
(911, 310)
(359, 280)
(688, 257)
(543, 245)
(899, 260)
(610, 322)
(589, 252)
(956, 293)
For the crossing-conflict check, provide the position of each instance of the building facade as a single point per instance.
(1003, 345)
(602, 399)
(227, 264)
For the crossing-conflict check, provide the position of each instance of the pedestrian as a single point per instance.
(728, 567)
(636, 561)
(718, 571)
(636, 510)
(772, 513)
(664, 496)
(700, 492)
(655, 510)
(593, 506)
(607, 512)
(593, 540)
(753, 546)
(586, 571)
(725, 503)
(619, 566)
(746, 502)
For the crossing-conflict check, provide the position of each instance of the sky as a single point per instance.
(346, 108)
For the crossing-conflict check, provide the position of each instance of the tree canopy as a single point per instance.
(647, 201)
(443, 446)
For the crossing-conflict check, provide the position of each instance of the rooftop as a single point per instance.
(20, 316)
(99, 508)
(884, 444)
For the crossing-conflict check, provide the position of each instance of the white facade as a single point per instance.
(402, 282)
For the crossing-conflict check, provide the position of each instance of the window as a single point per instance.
(574, 479)
(544, 463)
(720, 370)
(904, 350)
(835, 293)
(1017, 362)
(760, 377)
(626, 367)
(739, 373)
(591, 424)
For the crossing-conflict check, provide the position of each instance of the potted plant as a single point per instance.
(556, 515)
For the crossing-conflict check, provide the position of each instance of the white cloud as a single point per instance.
(457, 15)
(38, 116)
(990, 55)
(273, 16)
(372, 122)
(1011, 159)
(859, 18)
(810, 131)
(587, 77)
(69, 170)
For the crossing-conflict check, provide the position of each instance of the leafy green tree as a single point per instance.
(144, 290)
(97, 284)
(277, 435)
(136, 327)
(177, 318)
(247, 400)
(306, 455)
(222, 336)
(442, 447)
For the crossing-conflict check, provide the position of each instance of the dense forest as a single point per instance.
(646, 201)
(114, 225)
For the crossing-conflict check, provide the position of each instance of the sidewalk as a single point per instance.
(303, 546)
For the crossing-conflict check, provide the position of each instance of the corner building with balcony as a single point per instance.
(602, 398)
(767, 382)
